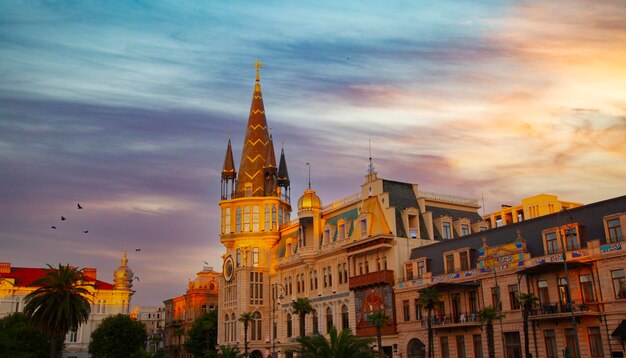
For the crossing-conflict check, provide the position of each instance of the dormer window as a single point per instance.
(447, 232)
(421, 268)
(363, 225)
(342, 231)
(614, 229)
(465, 230)
(571, 239)
(464, 258)
(552, 244)
(413, 226)
(248, 190)
(326, 236)
(409, 271)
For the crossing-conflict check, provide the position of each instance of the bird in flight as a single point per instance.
(62, 218)
(86, 231)
(137, 278)
(137, 249)
(53, 227)
(206, 263)
(78, 206)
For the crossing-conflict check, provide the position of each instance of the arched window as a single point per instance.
(329, 319)
(280, 216)
(267, 218)
(227, 220)
(274, 223)
(289, 325)
(316, 327)
(256, 326)
(246, 218)
(238, 220)
(345, 322)
(226, 329)
(255, 218)
(233, 327)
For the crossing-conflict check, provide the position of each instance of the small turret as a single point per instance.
(283, 177)
(229, 175)
(269, 170)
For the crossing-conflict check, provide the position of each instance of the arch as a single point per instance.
(416, 349)
(289, 325)
(329, 318)
(345, 322)
(256, 354)
(256, 326)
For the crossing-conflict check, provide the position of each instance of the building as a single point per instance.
(181, 311)
(154, 320)
(345, 257)
(107, 299)
(530, 208)
(493, 268)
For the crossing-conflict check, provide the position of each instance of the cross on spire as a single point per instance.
(258, 65)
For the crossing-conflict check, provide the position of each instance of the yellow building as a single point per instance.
(345, 257)
(531, 207)
(107, 299)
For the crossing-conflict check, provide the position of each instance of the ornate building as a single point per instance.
(181, 311)
(530, 208)
(107, 299)
(344, 257)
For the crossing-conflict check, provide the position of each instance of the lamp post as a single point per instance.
(567, 287)
(276, 297)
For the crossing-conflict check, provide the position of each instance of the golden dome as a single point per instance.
(309, 201)
(123, 275)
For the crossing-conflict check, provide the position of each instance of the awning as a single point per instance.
(446, 286)
(620, 331)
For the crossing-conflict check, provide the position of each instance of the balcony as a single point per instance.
(559, 310)
(371, 279)
(462, 320)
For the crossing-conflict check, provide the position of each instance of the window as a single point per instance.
(571, 239)
(384, 262)
(409, 271)
(406, 311)
(255, 257)
(418, 310)
(256, 288)
(550, 338)
(498, 221)
(227, 220)
(413, 222)
(342, 231)
(449, 263)
(238, 257)
(512, 345)
(330, 276)
(586, 288)
(421, 269)
(248, 190)
(238, 219)
(266, 218)
(615, 230)
(495, 298)
(345, 322)
(447, 234)
(226, 329)
(465, 229)
(72, 337)
(595, 342)
(280, 216)
(513, 296)
(289, 326)
(329, 319)
(316, 327)
(360, 268)
(478, 346)
(246, 218)
(233, 327)
(571, 343)
(340, 274)
(345, 273)
(619, 283)
(445, 350)
(255, 218)
(367, 265)
(520, 216)
(274, 223)
(464, 257)
(363, 228)
(562, 287)
(460, 346)
(315, 273)
(552, 244)
(544, 295)
(473, 302)
(325, 278)
(256, 326)
(326, 236)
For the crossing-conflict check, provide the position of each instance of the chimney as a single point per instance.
(89, 273)
(5, 267)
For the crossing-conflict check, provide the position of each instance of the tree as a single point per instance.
(429, 299)
(59, 305)
(245, 318)
(527, 301)
(118, 336)
(487, 316)
(202, 337)
(19, 339)
(302, 307)
(379, 320)
(339, 345)
(227, 352)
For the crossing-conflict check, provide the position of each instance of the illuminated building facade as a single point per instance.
(344, 257)
(530, 208)
(107, 299)
(493, 268)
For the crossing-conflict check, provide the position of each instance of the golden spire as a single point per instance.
(124, 258)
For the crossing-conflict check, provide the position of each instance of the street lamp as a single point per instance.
(568, 291)
(275, 300)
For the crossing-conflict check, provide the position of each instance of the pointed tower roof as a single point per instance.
(270, 158)
(255, 146)
(283, 174)
(228, 172)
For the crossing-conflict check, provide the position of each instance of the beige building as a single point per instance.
(107, 299)
(530, 208)
(492, 268)
(345, 257)
(154, 320)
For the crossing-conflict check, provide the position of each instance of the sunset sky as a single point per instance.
(126, 106)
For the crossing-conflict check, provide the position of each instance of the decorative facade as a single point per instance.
(154, 320)
(107, 299)
(345, 257)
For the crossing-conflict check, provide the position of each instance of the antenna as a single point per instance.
(370, 168)
(309, 165)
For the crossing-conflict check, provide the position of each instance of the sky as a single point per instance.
(126, 107)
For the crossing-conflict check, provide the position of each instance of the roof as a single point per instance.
(229, 164)
(401, 196)
(588, 217)
(26, 276)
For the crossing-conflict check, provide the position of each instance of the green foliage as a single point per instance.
(379, 320)
(302, 307)
(429, 299)
(59, 305)
(118, 336)
(339, 345)
(225, 352)
(245, 318)
(202, 336)
(489, 314)
(19, 339)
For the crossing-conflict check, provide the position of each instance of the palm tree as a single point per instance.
(60, 304)
(339, 345)
(487, 316)
(429, 299)
(228, 352)
(245, 318)
(527, 301)
(379, 320)
(302, 307)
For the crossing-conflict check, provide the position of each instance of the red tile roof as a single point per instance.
(26, 276)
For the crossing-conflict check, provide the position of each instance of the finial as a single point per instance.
(124, 258)
(229, 134)
(258, 65)
(309, 165)
(370, 168)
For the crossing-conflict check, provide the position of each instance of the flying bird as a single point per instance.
(78, 206)
(62, 218)
(86, 231)
(137, 278)
(53, 227)
(206, 263)
(137, 249)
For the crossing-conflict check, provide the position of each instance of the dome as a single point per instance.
(123, 275)
(309, 201)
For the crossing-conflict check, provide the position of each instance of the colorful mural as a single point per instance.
(373, 299)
